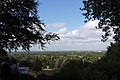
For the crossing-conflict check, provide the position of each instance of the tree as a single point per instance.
(108, 14)
(37, 65)
(20, 25)
(3, 53)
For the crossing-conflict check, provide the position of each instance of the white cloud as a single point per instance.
(62, 31)
(85, 32)
(86, 37)
(57, 25)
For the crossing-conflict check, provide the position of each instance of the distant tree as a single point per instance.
(20, 25)
(37, 65)
(108, 14)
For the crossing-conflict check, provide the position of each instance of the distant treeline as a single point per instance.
(54, 60)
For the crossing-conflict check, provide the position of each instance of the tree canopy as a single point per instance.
(108, 14)
(20, 25)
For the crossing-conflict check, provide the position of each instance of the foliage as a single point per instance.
(20, 25)
(25, 63)
(3, 52)
(112, 59)
(108, 14)
(88, 67)
(37, 65)
(76, 67)
(54, 59)
(79, 70)
(113, 51)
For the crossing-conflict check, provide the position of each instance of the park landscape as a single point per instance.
(21, 28)
(51, 63)
(63, 65)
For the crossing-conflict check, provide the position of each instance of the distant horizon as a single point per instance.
(65, 51)
(65, 18)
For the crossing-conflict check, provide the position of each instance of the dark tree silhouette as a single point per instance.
(20, 25)
(107, 12)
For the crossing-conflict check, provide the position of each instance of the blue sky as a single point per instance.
(61, 11)
(65, 18)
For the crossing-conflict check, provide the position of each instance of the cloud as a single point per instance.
(57, 25)
(85, 32)
(86, 37)
(62, 31)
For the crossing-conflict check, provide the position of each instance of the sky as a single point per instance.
(65, 18)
